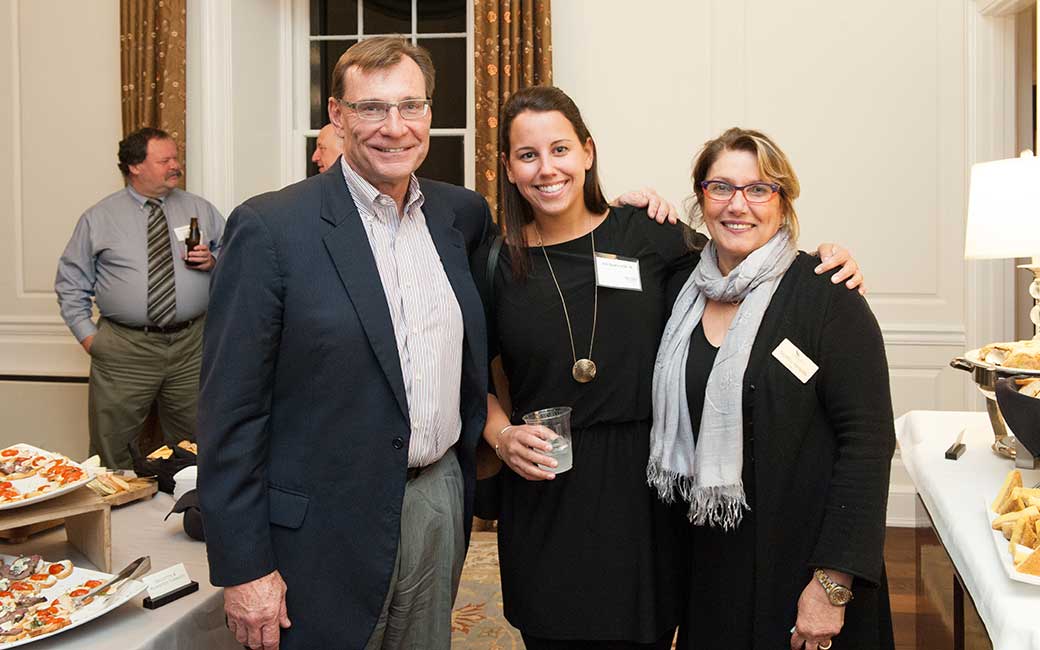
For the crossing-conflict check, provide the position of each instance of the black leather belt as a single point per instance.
(414, 472)
(158, 329)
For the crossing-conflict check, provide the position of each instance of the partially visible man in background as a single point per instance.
(328, 148)
(127, 254)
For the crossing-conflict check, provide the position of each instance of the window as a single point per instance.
(443, 27)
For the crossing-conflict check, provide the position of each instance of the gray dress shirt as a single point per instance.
(425, 313)
(107, 260)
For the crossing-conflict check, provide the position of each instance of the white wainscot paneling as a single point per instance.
(921, 378)
(49, 415)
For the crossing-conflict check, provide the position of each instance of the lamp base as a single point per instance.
(1034, 292)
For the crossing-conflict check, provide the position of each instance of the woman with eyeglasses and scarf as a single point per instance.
(772, 424)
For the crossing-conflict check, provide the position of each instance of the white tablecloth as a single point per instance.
(193, 622)
(955, 494)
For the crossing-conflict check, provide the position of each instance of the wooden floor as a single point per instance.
(920, 580)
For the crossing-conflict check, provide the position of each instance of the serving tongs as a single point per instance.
(138, 567)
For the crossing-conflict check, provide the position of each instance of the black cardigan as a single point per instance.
(822, 454)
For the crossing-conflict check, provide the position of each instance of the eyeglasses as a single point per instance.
(376, 111)
(753, 192)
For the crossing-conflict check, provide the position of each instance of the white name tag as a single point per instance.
(795, 360)
(163, 582)
(618, 272)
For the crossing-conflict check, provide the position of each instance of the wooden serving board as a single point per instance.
(22, 533)
(87, 519)
(140, 488)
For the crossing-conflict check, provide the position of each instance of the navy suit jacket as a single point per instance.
(303, 421)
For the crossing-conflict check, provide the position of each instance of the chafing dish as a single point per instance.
(985, 375)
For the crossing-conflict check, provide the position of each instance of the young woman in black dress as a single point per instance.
(589, 558)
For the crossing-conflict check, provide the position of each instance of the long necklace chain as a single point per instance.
(583, 370)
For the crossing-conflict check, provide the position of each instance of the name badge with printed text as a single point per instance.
(795, 360)
(618, 272)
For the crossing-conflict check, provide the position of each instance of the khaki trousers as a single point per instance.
(417, 611)
(129, 371)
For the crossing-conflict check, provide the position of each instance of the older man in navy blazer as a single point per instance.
(344, 384)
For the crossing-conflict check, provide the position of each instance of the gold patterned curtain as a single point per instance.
(153, 52)
(513, 50)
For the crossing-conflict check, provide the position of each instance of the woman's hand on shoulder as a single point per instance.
(659, 209)
(520, 447)
(818, 620)
(833, 256)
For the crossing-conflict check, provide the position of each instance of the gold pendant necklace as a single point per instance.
(583, 370)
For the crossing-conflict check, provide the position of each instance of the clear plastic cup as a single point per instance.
(558, 421)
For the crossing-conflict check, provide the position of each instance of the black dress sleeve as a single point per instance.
(683, 264)
(853, 389)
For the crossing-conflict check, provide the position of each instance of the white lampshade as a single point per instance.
(1004, 209)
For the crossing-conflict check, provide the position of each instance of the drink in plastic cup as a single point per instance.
(557, 420)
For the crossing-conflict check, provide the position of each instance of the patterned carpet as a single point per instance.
(477, 621)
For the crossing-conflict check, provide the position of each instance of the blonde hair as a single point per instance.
(381, 52)
(773, 165)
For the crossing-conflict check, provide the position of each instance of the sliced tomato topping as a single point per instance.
(56, 568)
(40, 577)
(76, 593)
(8, 453)
(22, 586)
(90, 584)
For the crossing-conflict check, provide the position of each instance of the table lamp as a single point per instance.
(1004, 217)
(1004, 222)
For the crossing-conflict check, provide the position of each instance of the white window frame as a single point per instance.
(301, 86)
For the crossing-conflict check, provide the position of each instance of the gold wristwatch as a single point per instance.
(839, 595)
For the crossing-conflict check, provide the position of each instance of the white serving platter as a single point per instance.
(98, 607)
(1001, 546)
(30, 483)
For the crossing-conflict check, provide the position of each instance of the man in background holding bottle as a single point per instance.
(128, 254)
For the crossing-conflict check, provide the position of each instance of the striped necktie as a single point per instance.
(162, 293)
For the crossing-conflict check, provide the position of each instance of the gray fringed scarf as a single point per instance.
(708, 477)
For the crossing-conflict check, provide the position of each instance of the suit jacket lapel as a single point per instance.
(347, 244)
(451, 247)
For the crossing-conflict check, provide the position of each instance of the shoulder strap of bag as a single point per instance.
(489, 277)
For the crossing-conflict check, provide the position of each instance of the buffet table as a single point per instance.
(194, 621)
(956, 494)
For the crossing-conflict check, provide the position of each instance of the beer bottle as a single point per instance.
(193, 240)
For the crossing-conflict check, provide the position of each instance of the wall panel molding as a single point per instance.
(991, 135)
(16, 149)
(943, 335)
(39, 134)
(216, 179)
(1003, 7)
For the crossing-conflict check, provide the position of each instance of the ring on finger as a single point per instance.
(825, 647)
